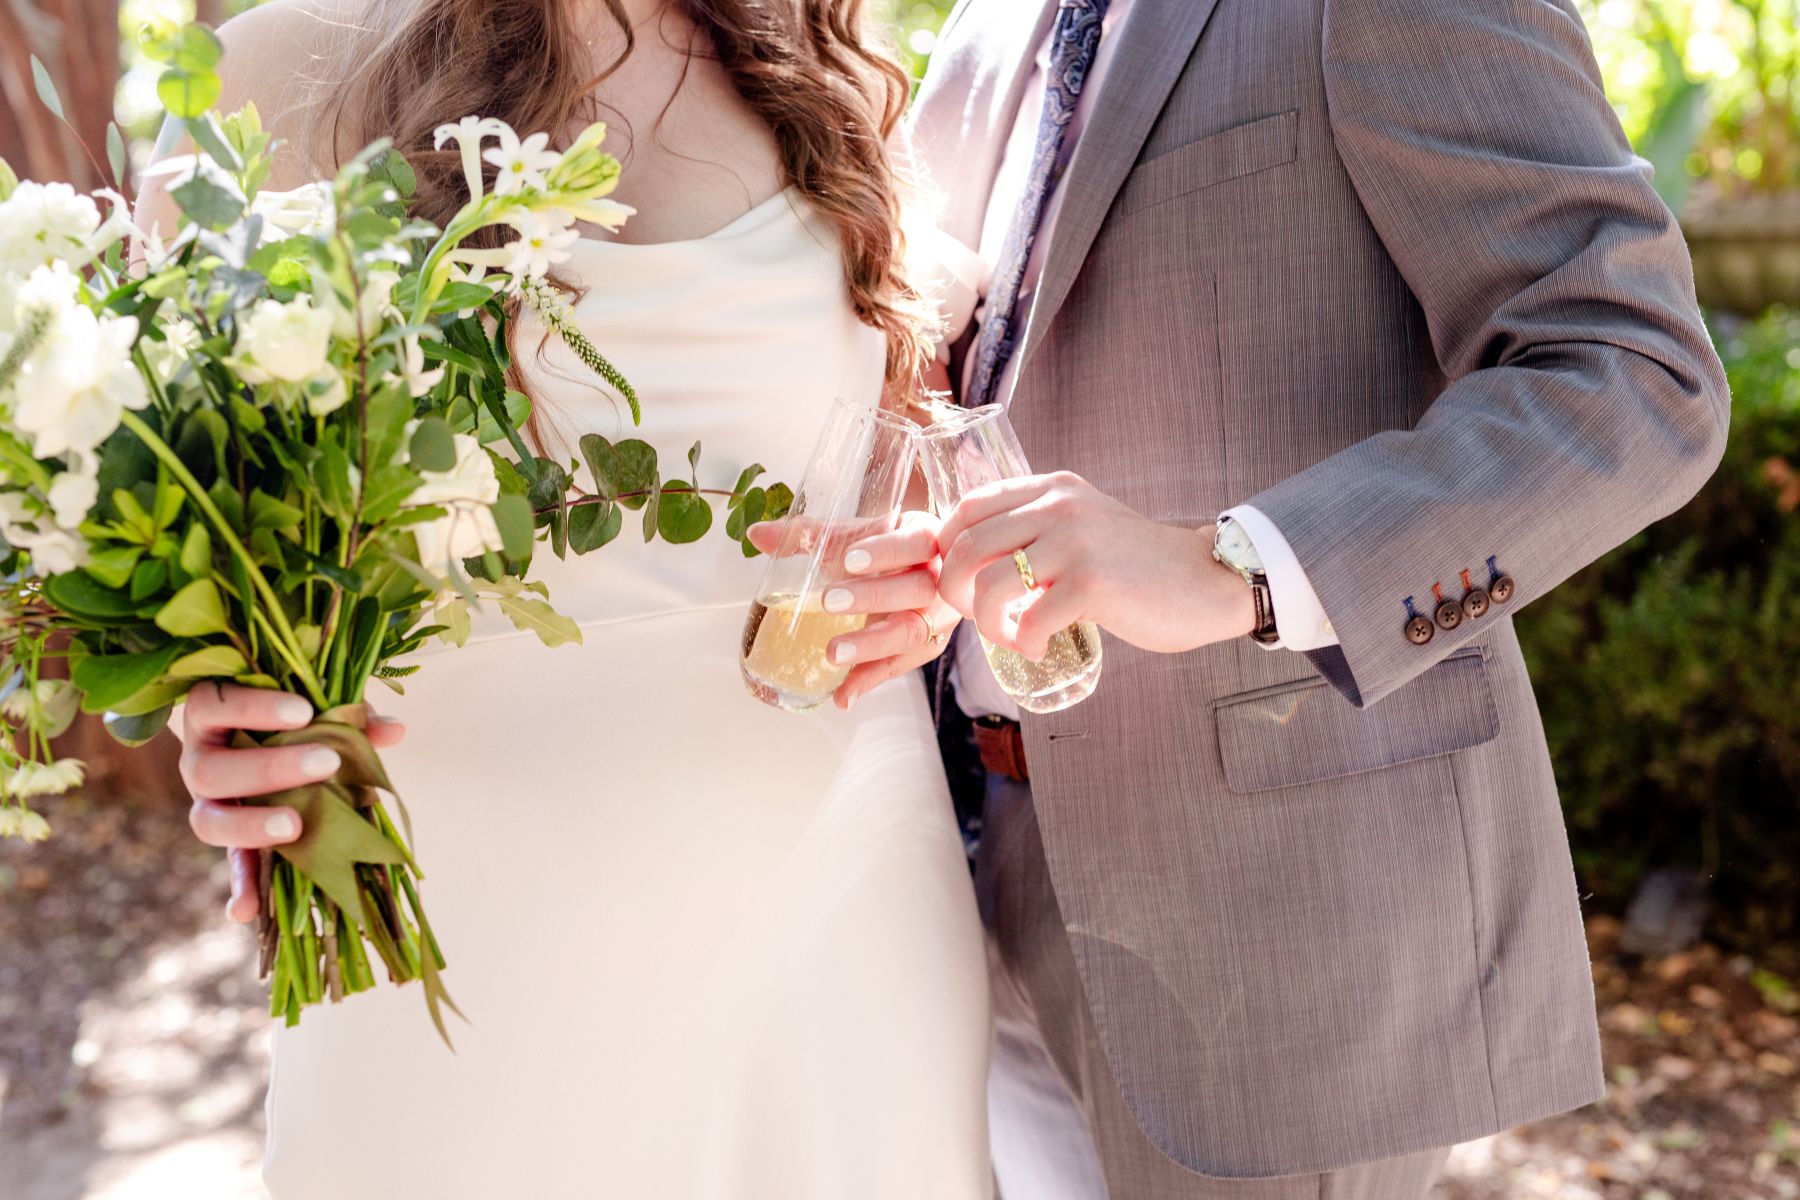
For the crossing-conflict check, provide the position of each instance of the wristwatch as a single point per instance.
(1232, 546)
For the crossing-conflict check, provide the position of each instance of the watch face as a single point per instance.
(1235, 548)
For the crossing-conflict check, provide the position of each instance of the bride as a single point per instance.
(706, 948)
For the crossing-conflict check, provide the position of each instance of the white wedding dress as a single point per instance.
(707, 949)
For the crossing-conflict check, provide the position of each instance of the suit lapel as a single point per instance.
(1155, 44)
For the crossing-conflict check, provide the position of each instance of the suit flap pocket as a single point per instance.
(1304, 732)
(1233, 152)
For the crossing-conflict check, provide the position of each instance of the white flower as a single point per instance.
(167, 357)
(523, 164)
(607, 214)
(374, 305)
(22, 823)
(544, 239)
(286, 342)
(326, 394)
(309, 210)
(71, 497)
(468, 134)
(71, 390)
(418, 379)
(55, 551)
(466, 491)
(45, 779)
(43, 222)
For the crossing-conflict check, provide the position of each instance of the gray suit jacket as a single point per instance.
(1388, 270)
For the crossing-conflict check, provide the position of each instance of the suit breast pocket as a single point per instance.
(1229, 154)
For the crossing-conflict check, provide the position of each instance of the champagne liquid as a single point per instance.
(1066, 675)
(783, 659)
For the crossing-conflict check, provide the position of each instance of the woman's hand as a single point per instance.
(909, 623)
(218, 776)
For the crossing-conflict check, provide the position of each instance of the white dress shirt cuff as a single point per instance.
(1299, 617)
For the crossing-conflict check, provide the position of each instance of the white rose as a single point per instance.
(286, 342)
(307, 211)
(466, 490)
(42, 222)
(72, 497)
(71, 390)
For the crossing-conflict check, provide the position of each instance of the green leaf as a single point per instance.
(536, 616)
(334, 838)
(210, 662)
(112, 566)
(385, 490)
(683, 516)
(266, 512)
(603, 463)
(9, 181)
(82, 595)
(110, 679)
(115, 156)
(635, 472)
(188, 94)
(518, 411)
(744, 481)
(139, 729)
(433, 446)
(209, 137)
(205, 203)
(149, 579)
(591, 526)
(46, 88)
(191, 47)
(196, 610)
(780, 499)
(513, 516)
(652, 508)
(196, 551)
(332, 475)
(694, 462)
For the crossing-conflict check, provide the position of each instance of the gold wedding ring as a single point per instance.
(932, 636)
(1026, 576)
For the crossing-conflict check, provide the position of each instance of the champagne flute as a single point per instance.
(853, 487)
(967, 448)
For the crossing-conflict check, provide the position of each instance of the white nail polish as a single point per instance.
(293, 711)
(838, 599)
(858, 561)
(845, 653)
(281, 825)
(319, 762)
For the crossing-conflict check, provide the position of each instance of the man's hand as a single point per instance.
(1156, 586)
(909, 623)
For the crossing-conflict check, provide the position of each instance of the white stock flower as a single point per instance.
(466, 492)
(55, 551)
(307, 211)
(43, 222)
(71, 390)
(71, 497)
(468, 135)
(544, 241)
(166, 358)
(288, 342)
(523, 164)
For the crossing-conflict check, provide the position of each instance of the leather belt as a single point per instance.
(1001, 744)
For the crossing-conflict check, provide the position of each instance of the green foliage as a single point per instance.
(1669, 671)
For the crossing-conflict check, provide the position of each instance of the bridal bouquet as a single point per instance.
(282, 451)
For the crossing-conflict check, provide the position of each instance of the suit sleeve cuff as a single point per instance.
(1299, 617)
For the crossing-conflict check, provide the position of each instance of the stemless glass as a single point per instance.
(967, 448)
(853, 487)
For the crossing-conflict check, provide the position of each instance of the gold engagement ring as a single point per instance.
(1025, 573)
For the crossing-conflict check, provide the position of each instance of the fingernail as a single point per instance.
(282, 825)
(858, 561)
(838, 599)
(293, 711)
(319, 762)
(845, 653)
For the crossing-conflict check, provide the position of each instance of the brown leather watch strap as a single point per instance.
(1002, 746)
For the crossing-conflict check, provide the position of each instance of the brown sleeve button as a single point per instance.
(1501, 589)
(1475, 602)
(1419, 630)
(1449, 615)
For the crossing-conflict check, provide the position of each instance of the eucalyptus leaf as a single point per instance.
(205, 203)
(115, 156)
(592, 526)
(513, 517)
(46, 88)
(635, 477)
(433, 446)
(187, 94)
(683, 516)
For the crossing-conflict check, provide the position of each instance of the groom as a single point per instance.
(1286, 908)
